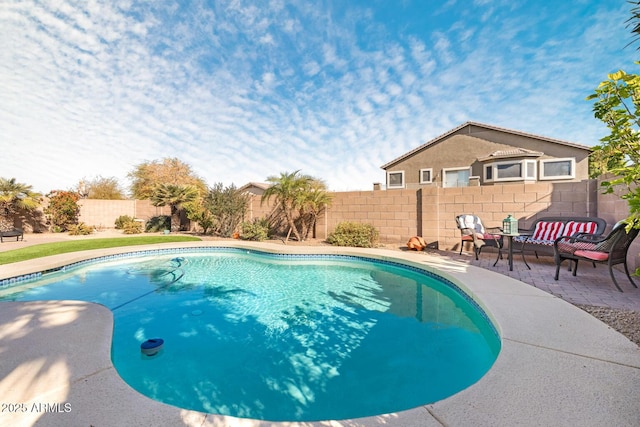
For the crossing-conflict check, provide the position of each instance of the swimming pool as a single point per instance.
(283, 337)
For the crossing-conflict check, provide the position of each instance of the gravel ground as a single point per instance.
(626, 322)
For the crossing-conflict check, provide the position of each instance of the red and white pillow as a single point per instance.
(574, 227)
(547, 231)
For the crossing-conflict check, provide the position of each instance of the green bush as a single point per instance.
(79, 229)
(258, 229)
(158, 223)
(227, 206)
(354, 234)
(122, 221)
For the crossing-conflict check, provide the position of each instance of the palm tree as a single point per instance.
(174, 196)
(313, 202)
(287, 190)
(15, 196)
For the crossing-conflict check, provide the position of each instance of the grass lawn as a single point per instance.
(46, 249)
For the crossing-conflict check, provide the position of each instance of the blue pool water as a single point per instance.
(296, 338)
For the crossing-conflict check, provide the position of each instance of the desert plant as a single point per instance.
(158, 223)
(299, 199)
(312, 202)
(174, 196)
(227, 206)
(122, 221)
(197, 211)
(354, 234)
(258, 229)
(79, 229)
(15, 196)
(132, 227)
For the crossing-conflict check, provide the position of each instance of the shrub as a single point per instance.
(158, 223)
(258, 229)
(79, 229)
(122, 221)
(132, 227)
(354, 234)
(63, 209)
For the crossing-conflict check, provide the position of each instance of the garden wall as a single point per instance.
(428, 212)
(612, 208)
(103, 213)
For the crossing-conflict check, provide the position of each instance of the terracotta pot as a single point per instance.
(416, 243)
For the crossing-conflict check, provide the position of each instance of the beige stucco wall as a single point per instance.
(463, 149)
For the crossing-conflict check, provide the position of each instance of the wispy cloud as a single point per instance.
(243, 90)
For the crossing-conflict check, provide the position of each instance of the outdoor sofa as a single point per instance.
(540, 237)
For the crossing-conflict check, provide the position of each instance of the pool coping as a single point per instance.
(558, 365)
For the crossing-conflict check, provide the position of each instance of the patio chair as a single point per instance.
(611, 250)
(472, 230)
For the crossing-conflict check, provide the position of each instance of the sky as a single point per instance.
(244, 90)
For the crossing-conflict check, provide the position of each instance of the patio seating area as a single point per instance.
(592, 286)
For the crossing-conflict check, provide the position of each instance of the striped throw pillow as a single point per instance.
(547, 231)
(574, 227)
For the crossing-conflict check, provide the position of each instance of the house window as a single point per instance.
(488, 173)
(510, 171)
(426, 176)
(456, 177)
(558, 169)
(531, 169)
(395, 179)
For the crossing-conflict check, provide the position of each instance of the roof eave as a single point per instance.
(482, 125)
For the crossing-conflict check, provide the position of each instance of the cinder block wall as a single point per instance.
(103, 213)
(612, 208)
(257, 208)
(428, 212)
(492, 204)
(393, 213)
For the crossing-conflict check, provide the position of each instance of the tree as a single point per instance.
(313, 201)
(617, 104)
(174, 196)
(13, 197)
(101, 188)
(228, 207)
(169, 171)
(63, 209)
(197, 212)
(290, 193)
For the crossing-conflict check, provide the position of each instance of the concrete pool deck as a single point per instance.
(558, 364)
